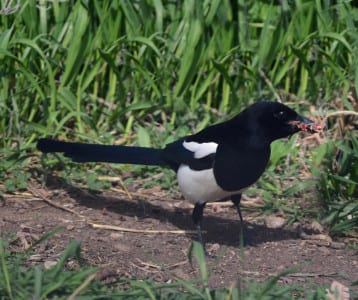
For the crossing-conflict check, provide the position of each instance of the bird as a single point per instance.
(215, 164)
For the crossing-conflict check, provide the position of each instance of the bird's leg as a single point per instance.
(236, 200)
(197, 219)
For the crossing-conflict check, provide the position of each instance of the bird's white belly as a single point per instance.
(200, 186)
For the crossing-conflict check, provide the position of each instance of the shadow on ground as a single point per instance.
(222, 229)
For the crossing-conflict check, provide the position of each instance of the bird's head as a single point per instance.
(274, 120)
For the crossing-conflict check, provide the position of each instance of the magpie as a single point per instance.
(215, 164)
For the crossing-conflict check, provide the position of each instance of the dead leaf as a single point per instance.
(338, 291)
(49, 264)
(317, 227)
(275, 222)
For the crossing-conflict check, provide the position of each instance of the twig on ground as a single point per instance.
(149, 231)
(48, 201)
(308, 274)
(151, 265)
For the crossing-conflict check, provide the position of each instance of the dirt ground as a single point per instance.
(162, 256)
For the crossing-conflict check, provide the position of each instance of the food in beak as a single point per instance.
(307, 125)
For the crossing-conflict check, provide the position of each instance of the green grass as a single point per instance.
(134, 72)
(19, 280)
(95, 67)
(339, 186)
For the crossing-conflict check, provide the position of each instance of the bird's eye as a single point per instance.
(280, 115)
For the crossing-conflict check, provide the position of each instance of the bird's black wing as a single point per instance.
(238, 168)
(176, 154)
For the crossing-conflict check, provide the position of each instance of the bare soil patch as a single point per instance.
(162, 257)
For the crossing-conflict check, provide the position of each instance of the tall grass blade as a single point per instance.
(72, 250)
(4, 271)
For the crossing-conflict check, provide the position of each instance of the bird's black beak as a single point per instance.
(304, 124)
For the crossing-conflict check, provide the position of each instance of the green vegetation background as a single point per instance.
(133, 72)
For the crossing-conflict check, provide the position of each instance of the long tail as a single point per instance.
(80, 152)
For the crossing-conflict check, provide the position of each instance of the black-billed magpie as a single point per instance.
(215, 164)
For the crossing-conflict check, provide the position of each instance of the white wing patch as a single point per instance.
(200, 149)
